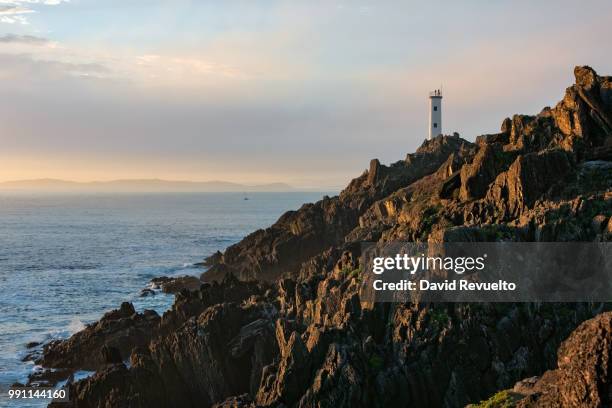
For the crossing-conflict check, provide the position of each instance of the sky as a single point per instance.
(301, 92)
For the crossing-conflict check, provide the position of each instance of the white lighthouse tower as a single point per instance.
(435, 113)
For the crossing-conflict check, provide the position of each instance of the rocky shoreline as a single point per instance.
(277, 320)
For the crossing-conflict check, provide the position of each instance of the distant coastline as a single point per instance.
(140, 185)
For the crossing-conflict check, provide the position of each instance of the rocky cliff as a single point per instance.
(278, 320)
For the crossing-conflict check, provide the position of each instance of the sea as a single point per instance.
(66, 259)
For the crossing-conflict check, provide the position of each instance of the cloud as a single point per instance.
(14, 20)
(12, 11)
(14, 14)
(23, 39)
(45, 2)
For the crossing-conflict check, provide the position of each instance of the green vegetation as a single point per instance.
(430, 218)
(356, 273)
(345, 271)
(496, 233)
(439, 317)
(376, 363)
(350, 273)
(503, 399)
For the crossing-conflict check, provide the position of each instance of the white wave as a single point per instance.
(75, 325)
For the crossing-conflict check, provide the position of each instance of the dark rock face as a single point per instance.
(584, 369)
(212, 345)
(119, 330)
(476, 177)
(280, 321)
(582, 377)
(528, 178)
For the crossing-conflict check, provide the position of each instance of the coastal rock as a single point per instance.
(214, 259)
(280, 319)
(176, 284)
(219, 354)
(147, 292)
(116, 334)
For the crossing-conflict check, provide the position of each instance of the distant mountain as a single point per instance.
(139, 185)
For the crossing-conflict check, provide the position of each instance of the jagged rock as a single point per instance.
(450, 186)
(147, 292)
(600, 222)
(584, 115)
(373, 172)
(582, 377)
(120, 330)
(476, 177)
(214, 259)
(527, 179)
(292, 376)
(506, 125)
(111, 355)
(204, 351)
(583, 374)
(176, 284)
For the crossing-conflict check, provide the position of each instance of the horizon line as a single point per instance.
(55, 183)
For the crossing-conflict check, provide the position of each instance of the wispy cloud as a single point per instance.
(23, 39)
(45, 2)
(14, 14)
(15, 11)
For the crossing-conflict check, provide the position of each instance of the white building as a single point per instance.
(435, 113)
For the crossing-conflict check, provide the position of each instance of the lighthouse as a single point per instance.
(435, 113)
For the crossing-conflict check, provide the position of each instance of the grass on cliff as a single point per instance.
(503, 399)
(350, 273)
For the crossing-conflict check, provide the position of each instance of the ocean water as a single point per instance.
(65, 259)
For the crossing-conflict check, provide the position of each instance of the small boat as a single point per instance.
(246, 198)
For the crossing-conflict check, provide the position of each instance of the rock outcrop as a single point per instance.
(176, 284)
(121, 330)
(299, 235)
(280, 321)
(582, 377)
